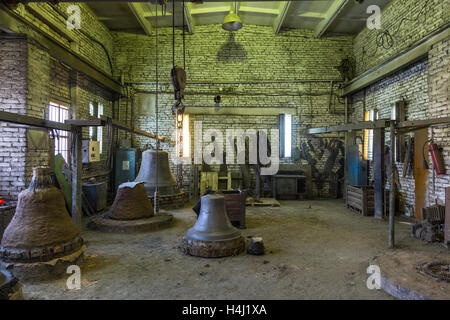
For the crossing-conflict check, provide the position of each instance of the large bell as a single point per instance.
(213, 235)
(41, 228)
(167, 185)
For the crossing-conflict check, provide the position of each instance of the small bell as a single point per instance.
(213, 235)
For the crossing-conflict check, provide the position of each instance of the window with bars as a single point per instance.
(58, 113)
(96, 133)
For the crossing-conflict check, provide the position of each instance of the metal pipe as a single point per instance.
(237, 82)
(392, 187)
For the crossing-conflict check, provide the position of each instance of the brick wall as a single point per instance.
(423, 86)
(38, 78)
(13, 92)
(439, 106)
(403, 22)
(254, 54)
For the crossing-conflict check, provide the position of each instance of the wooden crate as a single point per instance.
(361, 200)
(235, 205)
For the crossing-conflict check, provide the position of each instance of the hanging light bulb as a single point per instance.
(232, 22)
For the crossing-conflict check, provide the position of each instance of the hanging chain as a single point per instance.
(184, 46)
(156, 195)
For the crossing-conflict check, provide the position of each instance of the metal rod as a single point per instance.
(392, 187)
(237, 82)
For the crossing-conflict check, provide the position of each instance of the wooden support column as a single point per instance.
(76, 165)
(76, 175)
(378, 167)
(51, 153)
(392, 187)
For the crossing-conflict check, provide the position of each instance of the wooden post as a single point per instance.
(76, 165)
(392, 187)
(76, 175)
(378, 166)
(51, 154)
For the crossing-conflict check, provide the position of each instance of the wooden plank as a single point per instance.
(423, 123)
(86, 123)
(350, 127)
(377, 124)
(32, 121)
(264, 202)
(125, 127)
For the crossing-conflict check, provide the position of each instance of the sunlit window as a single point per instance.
(59, 113)
(285, 135)
(369, 115)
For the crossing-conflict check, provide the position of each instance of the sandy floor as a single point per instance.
(315, 250)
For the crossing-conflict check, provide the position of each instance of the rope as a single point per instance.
(184, 46)
(173, 34)
(156, 204)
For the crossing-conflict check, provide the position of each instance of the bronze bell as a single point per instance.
(41, 228)
(213, 235)
(167, 185)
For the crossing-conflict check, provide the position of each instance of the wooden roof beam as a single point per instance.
(140, 15)
(333, 12)
(279, 20)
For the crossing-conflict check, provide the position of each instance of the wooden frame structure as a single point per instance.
(75, 128)
(396, 128)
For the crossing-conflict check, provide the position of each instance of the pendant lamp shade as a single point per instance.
(232, 22)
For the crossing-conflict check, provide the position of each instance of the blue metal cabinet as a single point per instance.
(125, 166)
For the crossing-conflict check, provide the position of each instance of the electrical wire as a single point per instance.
(89, 36)
(386, 39)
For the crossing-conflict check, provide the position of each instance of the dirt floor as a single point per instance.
(314, 250)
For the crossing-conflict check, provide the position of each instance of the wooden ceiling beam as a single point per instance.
(333, 12)
(139, 13)
(279, 20)
(188, 19)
